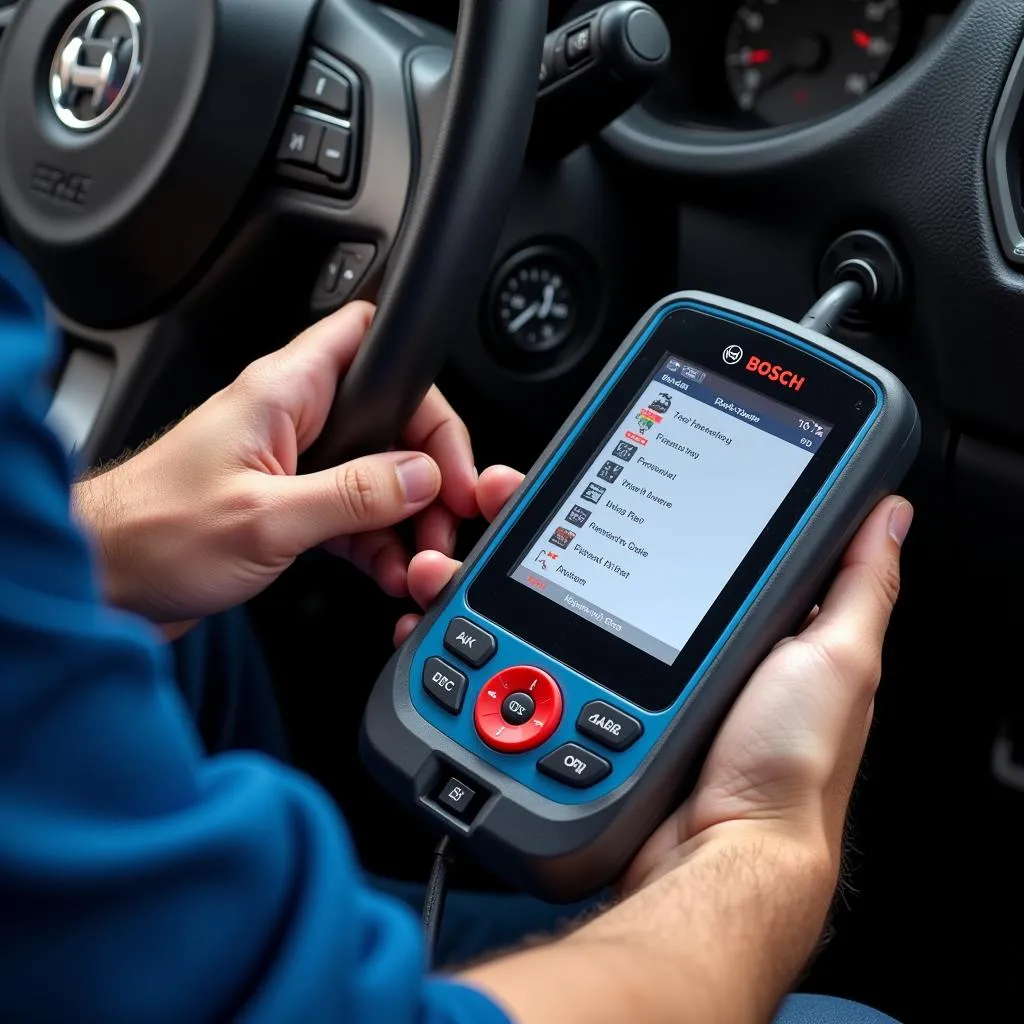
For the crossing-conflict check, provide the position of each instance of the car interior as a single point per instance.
(516, 205)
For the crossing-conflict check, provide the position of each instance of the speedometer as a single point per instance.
(789, 60)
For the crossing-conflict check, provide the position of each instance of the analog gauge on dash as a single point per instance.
(535, 305)
(790, 60)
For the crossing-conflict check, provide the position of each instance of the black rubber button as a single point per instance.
(469, 643)
(445, 684)
(301, 142)
(575, 766)
(517, 708)
(609, 726)
(334, 153)
(326, 88)
(457, 797)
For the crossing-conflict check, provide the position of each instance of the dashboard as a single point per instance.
(745, 65)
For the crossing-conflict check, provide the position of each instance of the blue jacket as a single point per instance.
(139, 880)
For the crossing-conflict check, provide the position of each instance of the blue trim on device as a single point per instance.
(578, 689)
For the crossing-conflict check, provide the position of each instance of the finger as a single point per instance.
(406, 624)
(811, 616)
(861, 599)
(302, 377)
(358, 497)
(380, 554)
(496, 487)
(437, 529)
(429, 573)
(437, 429)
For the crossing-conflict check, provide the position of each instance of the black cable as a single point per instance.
(433, 904)
(827, 313)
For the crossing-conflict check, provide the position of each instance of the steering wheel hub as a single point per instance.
(129, 134)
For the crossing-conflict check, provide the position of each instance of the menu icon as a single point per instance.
(544, 557)
(594, 493)
(610, 471)
(625, 451)
(562, 537)
(578, 515)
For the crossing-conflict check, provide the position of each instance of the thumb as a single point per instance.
(862, 596)
(363, 495)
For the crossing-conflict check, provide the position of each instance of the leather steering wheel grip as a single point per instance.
(443, 254)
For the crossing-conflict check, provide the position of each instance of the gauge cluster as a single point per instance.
(749, 64)
(788, 61)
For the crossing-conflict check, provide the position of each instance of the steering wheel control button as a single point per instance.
(329, 95)
(301, 142)
(609, 726)
(457, 797)
(577, 46)
(469, 643)
(334, 152)
(342, 274)
(331, 274)
(324, 87)
(518, 708)
(575, 766)
(445, 684)
(498, 724)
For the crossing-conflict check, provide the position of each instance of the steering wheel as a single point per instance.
(147, 149)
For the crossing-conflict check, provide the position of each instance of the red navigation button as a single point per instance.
(496, 731)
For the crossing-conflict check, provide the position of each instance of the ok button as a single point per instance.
(518, 708)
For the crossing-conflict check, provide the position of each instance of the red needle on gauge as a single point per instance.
(758, 57)
(861, 38)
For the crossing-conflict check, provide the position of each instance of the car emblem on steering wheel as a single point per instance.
(96, 64)
(732, 355)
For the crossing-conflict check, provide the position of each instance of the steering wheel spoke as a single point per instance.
(362, 119)
(168, 164)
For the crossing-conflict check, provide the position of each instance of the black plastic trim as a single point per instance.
(1003, 164)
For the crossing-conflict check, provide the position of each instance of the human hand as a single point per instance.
(785, 760)
(212, 513)
(726, 901)
(431, 571)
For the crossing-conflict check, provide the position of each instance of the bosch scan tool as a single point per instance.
(553, 705)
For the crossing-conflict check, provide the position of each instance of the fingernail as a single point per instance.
(417, 476)
(900, 519)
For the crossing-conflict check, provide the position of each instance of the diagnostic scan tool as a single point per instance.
(554, 704)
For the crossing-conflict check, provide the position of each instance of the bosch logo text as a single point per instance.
(774, 372)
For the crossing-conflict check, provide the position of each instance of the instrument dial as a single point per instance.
(790, 60)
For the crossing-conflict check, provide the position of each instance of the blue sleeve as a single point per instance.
(139, 880)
